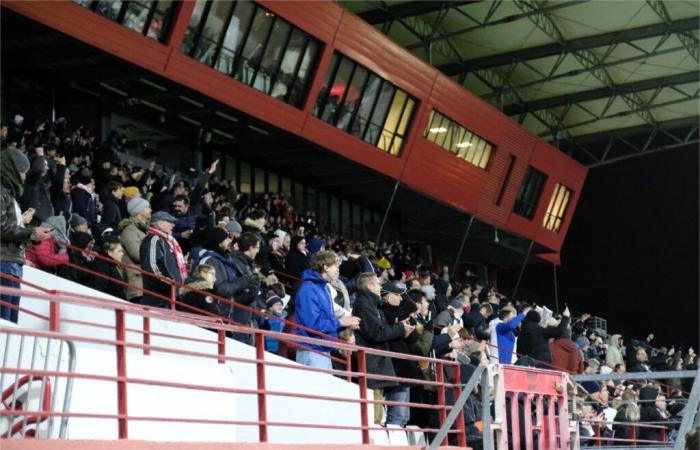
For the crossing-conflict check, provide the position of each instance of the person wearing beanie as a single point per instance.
(532, 340)
(129, 192)
(13, 170)
(131, 235)
(274, 322)
(450, 316)
(78, 223)
(234, 229)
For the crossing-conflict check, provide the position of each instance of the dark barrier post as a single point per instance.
(120, 329)
(362, 382)
(262, 404)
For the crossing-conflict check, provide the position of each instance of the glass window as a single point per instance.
(259, 180)
(529, 193)
(453, 137)
(273, 182)
(254, 46)
(211, 33)
(272, 57)
(337, 89)
(148, 18)
(323, 210)
(556, 210)
(352, 97)
(290, 61)
(369, 98)
(233, 39)
(286, 186)
(392, 120)
(374, 127)
(299, 197)
(246, 187)
(304, 74)
(197, 13)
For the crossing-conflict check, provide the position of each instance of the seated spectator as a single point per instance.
(111, 270)
(533, 337)
(653, 410)
(13, 234)
(274, 322)
(47, 255)
(78, 223)
(314, 309)
(202, 279)
(132, 233)
(640, 364)
(160, 254)
(627, 412)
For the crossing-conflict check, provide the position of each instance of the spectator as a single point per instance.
(186, 220)
(505, 334)
(83, 198)
(533, 337)
(453, 314)
(161, 255)
(133, 232)
(653, 410)
(235, 279)
(84, 243)
(111, 211)
(627, 412)
(60, 189)
(37, 185)
(113, 272)
(613, 355)
(78, 223)
(274, 322)
(13, 234)
(47, 255)
(203, 279)
(565, 355)
(244, 268)
(296, 261)
(640, 364)
(314, 309)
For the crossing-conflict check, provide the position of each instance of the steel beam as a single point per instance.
(403, 10)
(607, 91)
(588, 42)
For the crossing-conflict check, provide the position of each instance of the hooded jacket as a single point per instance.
(314, 308)
(13, 234)
(566, 356)
(505, 338)
(532, 341)
(613, 355)
(296, 262)
(36, 192)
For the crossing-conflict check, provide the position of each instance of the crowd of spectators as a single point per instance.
(60, 186)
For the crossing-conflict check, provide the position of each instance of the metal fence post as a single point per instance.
(146, 335)
(457, 392)
(440, 378)
(221, 346)
(54, 313)
(362, 382)
(262, 403)
(173, 297)
(120, 328)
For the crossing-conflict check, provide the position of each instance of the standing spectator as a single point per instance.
(132, 234)
(111, 211)
(640, 364)
(613, 355)
(296, 261)
(60, 189)
(186, 221)
(249, 291)
(161, 255)
(505, 334)
(533, 337)
(314, 309)
(83, 198)
(275, 322)
(111, 270)
(36, 193)
(13, 234)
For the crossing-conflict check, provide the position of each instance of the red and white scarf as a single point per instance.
(175, 247)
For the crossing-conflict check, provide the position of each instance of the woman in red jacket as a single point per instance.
(47, 255)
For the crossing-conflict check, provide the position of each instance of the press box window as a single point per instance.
(529, 193)
(363, 104)
(254, 46)
(456, 139)
(149, 18)
(556, 209)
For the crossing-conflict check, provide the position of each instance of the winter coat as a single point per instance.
(613, 355)
(132, 234)
(45, 256)
(157, 257)
(296, 263)
(111, 214)
(314, 308)
(566, 356)
(13, 234)
(84, 205)
(60, 200)
(113, 271)
(404, 368)
(375, 332)
(273, 323)
(36, 190)
(201, 302)
(532, 341)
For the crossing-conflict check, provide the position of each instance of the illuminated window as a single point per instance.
(149, 18)
(529, 193)
(453, 137)
(361, 103)
(557, 208)
(254, 46)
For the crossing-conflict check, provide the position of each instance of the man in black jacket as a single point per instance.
(374, 331)
(244, 267)
(533, 342)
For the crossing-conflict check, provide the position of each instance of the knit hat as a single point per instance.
(234, 227)
(19, 159)
(582, 341)
(136, 205)
(213, 236)
(272, 301)
(315, 245)
(76, 220)
(131, 191)
(456, 304)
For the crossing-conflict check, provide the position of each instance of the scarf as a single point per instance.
(175, 248)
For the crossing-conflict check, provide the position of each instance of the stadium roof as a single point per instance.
(603, 81)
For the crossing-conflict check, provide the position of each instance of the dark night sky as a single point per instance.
(631, 254)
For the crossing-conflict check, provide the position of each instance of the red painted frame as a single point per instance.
(458, 183)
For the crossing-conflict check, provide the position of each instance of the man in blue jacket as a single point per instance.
(314, 308)
(505, 334)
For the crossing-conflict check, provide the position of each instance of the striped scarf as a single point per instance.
(175, 248)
